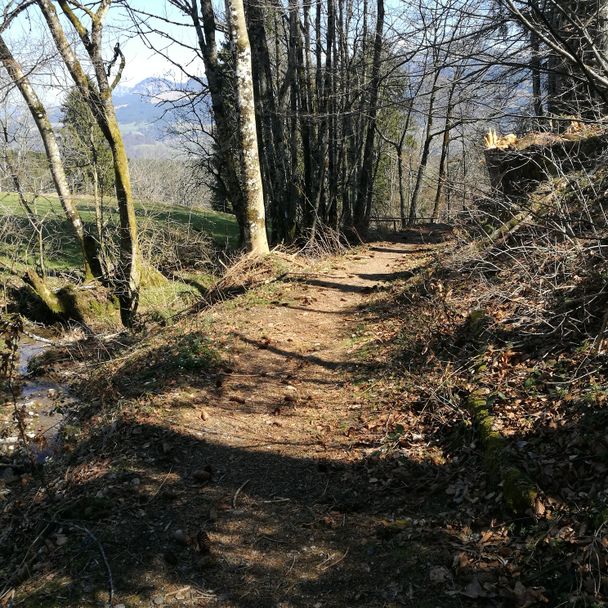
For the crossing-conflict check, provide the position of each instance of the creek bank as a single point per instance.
(40, 402)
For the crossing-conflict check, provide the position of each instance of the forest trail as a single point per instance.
(290, 516)
(292, 381)
(250, 487)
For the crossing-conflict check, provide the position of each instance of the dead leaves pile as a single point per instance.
(548, 400)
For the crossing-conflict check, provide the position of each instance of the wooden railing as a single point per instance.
(396, 222)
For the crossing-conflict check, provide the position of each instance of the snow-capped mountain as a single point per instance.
(143, 111)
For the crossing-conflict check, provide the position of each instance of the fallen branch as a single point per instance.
(236, 494)
(101, 552)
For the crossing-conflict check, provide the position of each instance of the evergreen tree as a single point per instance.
(87, 156)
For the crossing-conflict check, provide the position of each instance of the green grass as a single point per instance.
(62, 251)
(221, 227)
(18, 245)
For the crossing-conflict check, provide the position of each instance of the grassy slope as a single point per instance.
(62, 254)
(220, 226)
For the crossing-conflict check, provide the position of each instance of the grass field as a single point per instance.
(18, 242)
(19, 248)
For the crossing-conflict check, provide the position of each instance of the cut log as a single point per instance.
(516, 171)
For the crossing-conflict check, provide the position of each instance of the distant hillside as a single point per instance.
(144, 117)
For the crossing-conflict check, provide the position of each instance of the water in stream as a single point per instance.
(41, 402)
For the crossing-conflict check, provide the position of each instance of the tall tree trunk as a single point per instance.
(251, 177)
(363, 201)
(535, 68)
(274, 156)
(295, 69)
(445, 144)
(306, 109)
(53, 155)
(205, 27)
(401, 187)
(100, 101)
(399, 148)
(426, 147)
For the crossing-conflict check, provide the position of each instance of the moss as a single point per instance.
(88, 305)
(518, 491)
(50, 300)
(150, 277)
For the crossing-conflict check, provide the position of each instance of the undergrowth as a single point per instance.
(517, 325)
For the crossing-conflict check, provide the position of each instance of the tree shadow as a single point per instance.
(365, 521)
(265, 528)
(343, 287)
(388, 276)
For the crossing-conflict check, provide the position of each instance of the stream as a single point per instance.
(41, 401)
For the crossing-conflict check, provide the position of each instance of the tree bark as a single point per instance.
(363, 200)
(426, 148)
(100, 101)
(445, 144)
(251, 177)
(45, 128)
(535, 68)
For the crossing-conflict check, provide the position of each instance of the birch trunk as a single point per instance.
(251, 177)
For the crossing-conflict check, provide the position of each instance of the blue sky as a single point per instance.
(142, 62)
(27, 35)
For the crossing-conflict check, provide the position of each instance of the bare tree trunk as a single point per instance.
(441, 178)
(278, 170)
(205, 26)
(306, 109)
(100, 102)
(535, 67)
(43, 123)
(426, 148)
(251, 177)
(442, 171)
(363, 201)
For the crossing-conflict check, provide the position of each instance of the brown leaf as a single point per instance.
(203, 542)
(460, 561)
(539, 507)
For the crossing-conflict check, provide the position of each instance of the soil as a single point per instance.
(259, 481)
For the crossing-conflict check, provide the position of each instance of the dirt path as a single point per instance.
(294, 363)
(302, 529)
(251, 490)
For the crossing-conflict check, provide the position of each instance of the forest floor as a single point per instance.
(243, 457)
